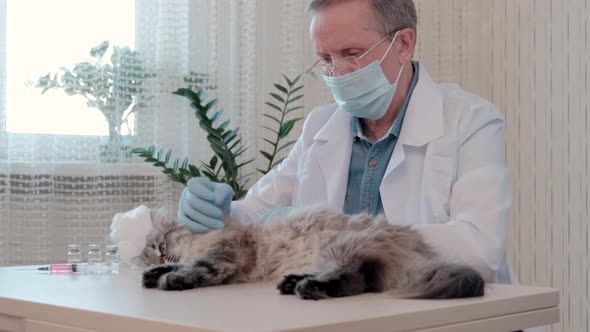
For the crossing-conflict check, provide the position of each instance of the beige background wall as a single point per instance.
(530, 57)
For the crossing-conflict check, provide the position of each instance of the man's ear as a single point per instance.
(406, 44)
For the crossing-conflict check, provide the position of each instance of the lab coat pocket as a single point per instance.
(438, 177)
(310, 187)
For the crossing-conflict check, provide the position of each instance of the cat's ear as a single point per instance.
(161, 219)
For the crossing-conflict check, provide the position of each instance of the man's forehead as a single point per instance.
(329, 38)
(344, 14)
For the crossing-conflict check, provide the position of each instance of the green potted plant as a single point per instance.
(115, 86)
(226, 144)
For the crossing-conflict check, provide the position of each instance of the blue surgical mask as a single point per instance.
(365, 93)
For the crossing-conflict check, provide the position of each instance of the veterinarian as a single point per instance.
(427, 155)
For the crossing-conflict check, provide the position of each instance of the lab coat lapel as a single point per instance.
(333, 154)
(423, 123)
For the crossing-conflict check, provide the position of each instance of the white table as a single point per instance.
(35, 301)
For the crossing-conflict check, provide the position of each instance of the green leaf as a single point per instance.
(277, 97)
(213, 162)
(286, 127)
(294, 91)
(270, 142)
(216, 116)
(275, 107)
(281, 88)
(139, 150)
(175, 165)
(294, 109)
(194, 170)
(295, 80)
(284, 146)
(245, 163)
(217, 145)
(272, 118)
(235, 144)
(214, 133)
(201, 94)
(231, 135)
(207, 168)
(184, 163)
(240, 151)
(211, 176)
(167, 158)
(223, 125)
(261, 171)
(277, 162)
(294, 99)
(274, 131)
(288, 80)
(266, 155)
(188, 93)
(211, 104)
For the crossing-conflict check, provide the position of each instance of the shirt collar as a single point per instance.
(396, 127)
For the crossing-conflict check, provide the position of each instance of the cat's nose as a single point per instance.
(162, 260)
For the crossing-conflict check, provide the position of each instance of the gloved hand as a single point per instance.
(203, 204)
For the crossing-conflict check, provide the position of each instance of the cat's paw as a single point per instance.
(176, 281)
(311, 289)
(287, 285)
(151, 276)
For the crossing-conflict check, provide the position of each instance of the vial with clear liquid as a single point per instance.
(74, 255)
(94, 254)
(112, 258)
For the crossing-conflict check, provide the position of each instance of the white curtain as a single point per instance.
(57, 189)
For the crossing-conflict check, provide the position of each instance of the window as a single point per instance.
(41, 37)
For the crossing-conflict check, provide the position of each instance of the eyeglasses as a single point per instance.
(342, 66)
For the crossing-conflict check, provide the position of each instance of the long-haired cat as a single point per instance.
(313, 253)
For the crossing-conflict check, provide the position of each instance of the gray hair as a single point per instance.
(391, 15)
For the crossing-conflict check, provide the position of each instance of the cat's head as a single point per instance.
(162, 245)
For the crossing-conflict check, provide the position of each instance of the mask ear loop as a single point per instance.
(390, 46)
(387, 52)
(400, 74)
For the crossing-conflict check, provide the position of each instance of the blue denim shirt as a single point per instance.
(368, 162)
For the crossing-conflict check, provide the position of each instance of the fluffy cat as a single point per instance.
(313, 253)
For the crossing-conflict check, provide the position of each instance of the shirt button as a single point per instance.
(373, 163)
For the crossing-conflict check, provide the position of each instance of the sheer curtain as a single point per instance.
(57, 189)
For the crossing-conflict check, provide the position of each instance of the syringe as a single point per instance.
(65, 268)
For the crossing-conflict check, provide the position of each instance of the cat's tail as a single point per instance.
(446, 281)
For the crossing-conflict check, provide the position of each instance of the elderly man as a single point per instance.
(424, 154)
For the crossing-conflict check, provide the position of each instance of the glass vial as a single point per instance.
(111, 258)
(94, 254)
(74, 255)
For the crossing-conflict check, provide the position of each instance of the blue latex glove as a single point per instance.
(203, 204)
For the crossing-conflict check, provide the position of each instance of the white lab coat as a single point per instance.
(446, 177)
